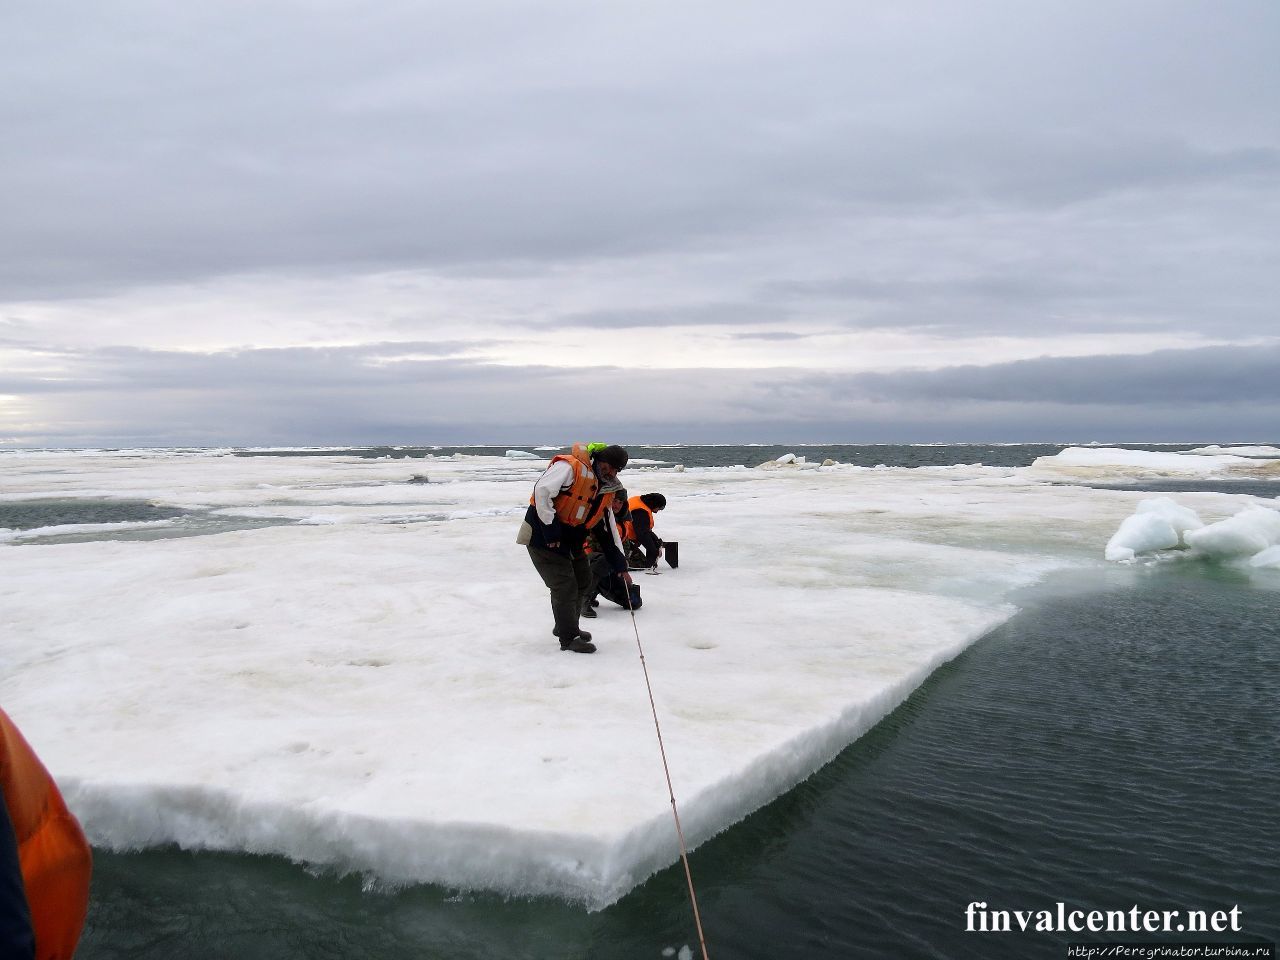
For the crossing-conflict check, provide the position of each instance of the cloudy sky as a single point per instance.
(316, 221)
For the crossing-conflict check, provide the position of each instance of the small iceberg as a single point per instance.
(1158, 524)
(786, 460)
(1250, 532)
(1161, 524)
(1268, 559)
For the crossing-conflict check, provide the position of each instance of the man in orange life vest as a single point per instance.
(571, 497)
(44, 859)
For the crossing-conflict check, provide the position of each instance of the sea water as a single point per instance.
(1113, 745)
(724, 455)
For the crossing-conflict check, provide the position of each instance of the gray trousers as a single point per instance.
(567, 578)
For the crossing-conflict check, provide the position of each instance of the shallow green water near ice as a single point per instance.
(1108, 748)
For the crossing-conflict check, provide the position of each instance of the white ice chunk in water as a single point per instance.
(786, 460)
(1141, 533)
(522, 455)
(1158, 524)
(1268, 559)
(1180, 518)
(1250, 531)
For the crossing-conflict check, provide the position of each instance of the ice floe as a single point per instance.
(377, 690)
(1248, 532)
(1112, 464)
(1241, 451)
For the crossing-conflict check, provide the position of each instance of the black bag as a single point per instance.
(614, 590)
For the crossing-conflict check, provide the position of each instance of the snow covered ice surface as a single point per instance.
(1112, 465)
(1239, 451)
(373, 684)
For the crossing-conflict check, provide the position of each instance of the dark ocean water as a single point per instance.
(1114, 745)
(72, 512)
(695, 455)
(30, 514)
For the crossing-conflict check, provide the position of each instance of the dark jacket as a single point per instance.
(646, 539)
(602, 543)
(17, 939)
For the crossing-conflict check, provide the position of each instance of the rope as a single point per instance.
(684, 854)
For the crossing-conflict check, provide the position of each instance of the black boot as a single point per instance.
(581, 635)
(579, 644)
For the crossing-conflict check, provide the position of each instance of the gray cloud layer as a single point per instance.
(153, 142)
(395, 393)
(987, 169)
(1213, 375)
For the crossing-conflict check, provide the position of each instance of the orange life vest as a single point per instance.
(52, 850)
(634, 504)
(573, 506)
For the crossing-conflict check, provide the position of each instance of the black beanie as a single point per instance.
(615, 456)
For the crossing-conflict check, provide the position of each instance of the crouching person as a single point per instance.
(609, 576)
(643, 545)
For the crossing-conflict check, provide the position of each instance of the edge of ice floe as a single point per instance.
(652, 847)
(75, 529)
(592, 870)
(390, 850)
